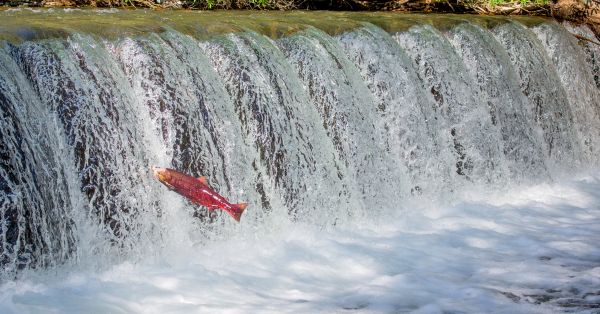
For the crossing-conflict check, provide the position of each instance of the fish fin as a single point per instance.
(203, 180)
(239, 208)
(211, 208)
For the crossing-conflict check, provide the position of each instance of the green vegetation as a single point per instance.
(528, 7)
(157, 4)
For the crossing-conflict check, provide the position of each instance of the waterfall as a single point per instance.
(326, 119)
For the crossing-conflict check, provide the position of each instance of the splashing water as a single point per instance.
(393, 163)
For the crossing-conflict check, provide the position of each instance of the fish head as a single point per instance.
(162, 174)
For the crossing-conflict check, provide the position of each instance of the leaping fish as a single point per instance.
(197, 190)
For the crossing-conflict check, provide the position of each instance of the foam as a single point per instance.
(534, 254)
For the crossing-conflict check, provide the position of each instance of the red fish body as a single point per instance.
(197, 190)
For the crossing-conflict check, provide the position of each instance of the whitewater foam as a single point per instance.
(534, 251)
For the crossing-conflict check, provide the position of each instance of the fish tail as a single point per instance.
(237, 210)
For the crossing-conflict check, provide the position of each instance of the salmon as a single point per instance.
(197, 191)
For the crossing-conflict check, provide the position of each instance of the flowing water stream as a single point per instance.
(364, 143)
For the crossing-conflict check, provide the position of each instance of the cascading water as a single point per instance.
(318, 120)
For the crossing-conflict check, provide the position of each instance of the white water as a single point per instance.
(532, 251)
(393, 163)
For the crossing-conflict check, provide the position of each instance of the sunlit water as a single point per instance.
(533, 251)
(393, 163)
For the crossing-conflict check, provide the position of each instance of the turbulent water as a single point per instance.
(356, 138)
